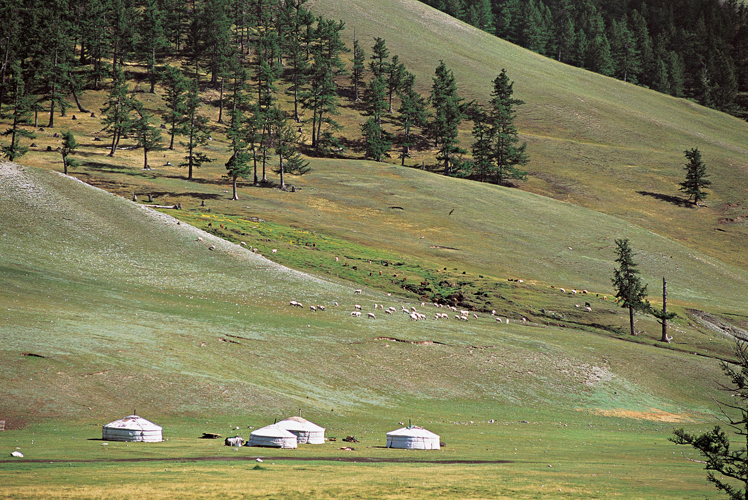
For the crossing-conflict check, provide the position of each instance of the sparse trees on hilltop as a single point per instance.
(449, 111)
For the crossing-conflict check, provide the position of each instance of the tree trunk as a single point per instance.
(631, 320)
(220, 104)
(664, 338)
(145, 155)
(75, 96)
(235, 197)
(283, 182)
(65, 164)
(51, 113)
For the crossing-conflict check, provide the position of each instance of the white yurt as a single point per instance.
(306, 432)
(413, 438)
(133, 429)
(272, 436)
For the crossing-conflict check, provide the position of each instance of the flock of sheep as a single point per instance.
(412, 312)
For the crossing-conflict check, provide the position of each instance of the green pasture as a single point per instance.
(108, 307)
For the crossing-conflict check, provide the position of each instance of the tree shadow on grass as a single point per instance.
(675, 200)
(199, 196)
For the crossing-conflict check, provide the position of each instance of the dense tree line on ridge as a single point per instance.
(687, 48)
(254, 54)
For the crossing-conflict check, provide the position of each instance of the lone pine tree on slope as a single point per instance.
(626, 281)
(696, 177)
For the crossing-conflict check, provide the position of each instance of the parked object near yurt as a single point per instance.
(272, 436)
(234, 441)
(413, 438)
(134, 429)
(306, 432)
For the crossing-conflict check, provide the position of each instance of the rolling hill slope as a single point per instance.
(593, 141)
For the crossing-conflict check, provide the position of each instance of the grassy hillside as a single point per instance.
(593, 141)
(109, 307)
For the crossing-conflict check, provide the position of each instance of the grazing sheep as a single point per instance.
(413, 309)
(321, 308)
(371, 315)
(574, 292)
(292, 303)
(299, 304)
(357, 292)
(356, 314)
(212, 247)
(588, 309)
(475, 316)
(423, 304)
(275, 250)
(357, 306)
(336, 259)
(336, 303)
(524, 320)
(585, 292)
(243, 244)
(464, 313)
(387, 311)
(493, 313)
(498, 319)
(312, 308)
(562, 290)
(199, 238)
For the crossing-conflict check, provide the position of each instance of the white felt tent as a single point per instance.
(413, 438)
(306, 432)
(272, 436)
(132, 428)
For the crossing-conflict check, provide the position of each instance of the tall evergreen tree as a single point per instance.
(150, 38)
(379, 58)
(630, 291)
(118, 110)
(395, 74)
(449, 111)
(696, 177)
(377, 142)
(286, 148)
(175, 86)
(195, 129)
(412, 113)
(359, 56)
(22, 106)
(148, 135)
(506, 154)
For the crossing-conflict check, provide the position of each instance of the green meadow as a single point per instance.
(109, 307)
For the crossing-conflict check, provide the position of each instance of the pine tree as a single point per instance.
(395, 74)
(379, 58)
(630, 292)
(148, 135)
(195, 128)
(506, 154)
(69, 145)
(696, 177)
(412, 112)
(240, 132)
(449, 111)
(482, 149)
(377, 141)
(176, 92)
(359, 56)
(22, 106)
(150, 38)
(286, 147)
(118, 110)
(727, 467)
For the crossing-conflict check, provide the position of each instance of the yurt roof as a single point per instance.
(273, 430)
(133, 423)
(413, 431)
(300, 424)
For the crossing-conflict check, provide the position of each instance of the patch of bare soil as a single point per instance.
(654, 415)
(417, 342)
(718, 324)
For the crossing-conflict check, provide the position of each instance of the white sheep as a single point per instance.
(562, 290)
(498, 319)
(475, 316)
(199, 238)
(212, 247)
(356, 314)
(243, 244)
(321, 308)
(274, 250)
(371, 315)
(357, 292)
(312, 308)
(493, 313)
(357, 306)
(292, 303)
(387, 311)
